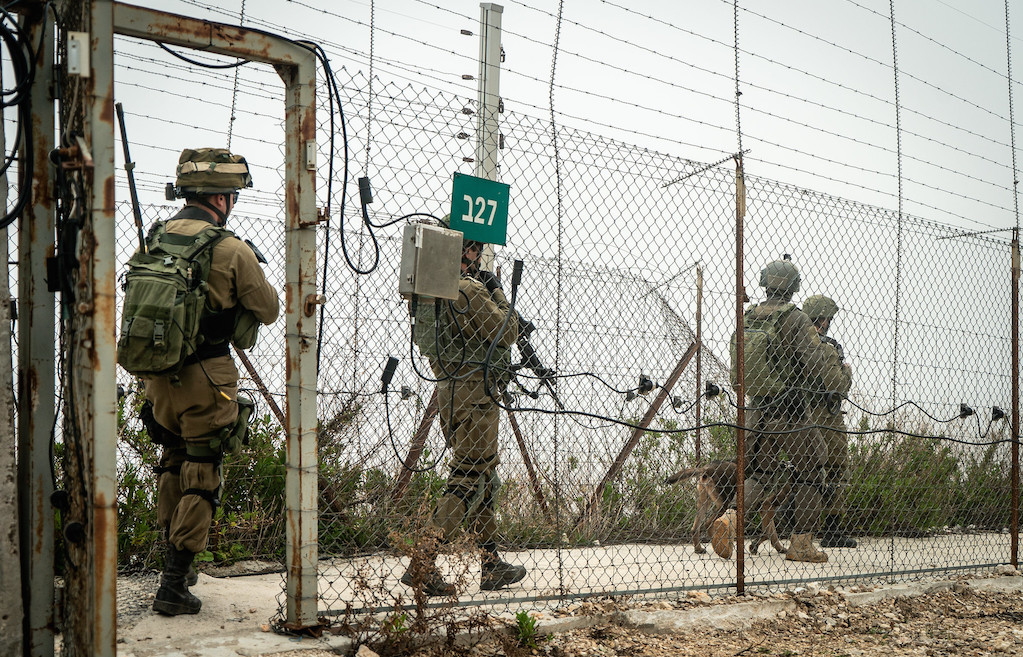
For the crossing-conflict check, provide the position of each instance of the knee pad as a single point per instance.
(210, 495)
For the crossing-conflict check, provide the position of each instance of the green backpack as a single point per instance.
(452, 348)
(165, 295)
(767, 372)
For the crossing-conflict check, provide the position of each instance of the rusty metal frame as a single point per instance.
(36, 367)
(296, 64)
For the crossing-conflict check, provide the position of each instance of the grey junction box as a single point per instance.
(431, 259)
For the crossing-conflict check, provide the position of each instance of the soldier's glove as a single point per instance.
(489, 280)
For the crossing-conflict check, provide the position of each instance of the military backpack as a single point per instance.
(165, 297)
(767, 371)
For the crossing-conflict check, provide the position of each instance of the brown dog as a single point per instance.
(715, 492)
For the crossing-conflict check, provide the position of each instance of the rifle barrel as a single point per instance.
(129, 167)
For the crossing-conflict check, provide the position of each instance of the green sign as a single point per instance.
(479, 208)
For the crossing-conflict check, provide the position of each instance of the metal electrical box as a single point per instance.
(431, 258)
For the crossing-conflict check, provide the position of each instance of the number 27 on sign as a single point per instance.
(481, 206)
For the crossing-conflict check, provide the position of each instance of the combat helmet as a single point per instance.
(204, 171)
(820, 307)
(780, 276)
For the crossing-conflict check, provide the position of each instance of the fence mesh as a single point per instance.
(614, 239)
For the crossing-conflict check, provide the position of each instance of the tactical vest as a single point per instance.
(443, 342)
(166, 321)
(767, 370)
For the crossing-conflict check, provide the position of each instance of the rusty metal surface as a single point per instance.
(36, 370)
(404, 476)
(1014, 513)
(175, 30)
(740, 389)
(300, 275)
(96, 398)
(296, 66)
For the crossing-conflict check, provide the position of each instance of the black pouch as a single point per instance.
(159, 434)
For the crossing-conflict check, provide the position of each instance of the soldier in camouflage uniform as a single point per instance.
(468, 416)
(825, 411)
(194, 412)
(779, 424)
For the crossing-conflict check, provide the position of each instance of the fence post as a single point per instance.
(12, 615)
(92, 413)
(300, 249)
(699, 359)
(740, 389)
(36, 376)
(1014, 517)
(489, 100)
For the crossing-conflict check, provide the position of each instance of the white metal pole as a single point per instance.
(301, 292)
(94, 360)
(36, 371)
(488, 131)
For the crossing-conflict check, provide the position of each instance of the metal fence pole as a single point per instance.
(1014, 513)
(740, 389)
(489, 87)
(301, 295)
(699, 359)
(487, 129)
(93, 361)
(36, 370)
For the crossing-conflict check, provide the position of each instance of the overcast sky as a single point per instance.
(818, 89)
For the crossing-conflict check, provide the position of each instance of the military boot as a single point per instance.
(173, 597)
(832, 536)
(722, 534)
(422, 568)
(427, 576)
(192, 576)
(497, 573)
(801, 549)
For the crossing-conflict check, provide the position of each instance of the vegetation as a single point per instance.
(897, 485)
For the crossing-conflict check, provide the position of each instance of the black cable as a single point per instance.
(22, 60)
(394, 445)
(194, 62)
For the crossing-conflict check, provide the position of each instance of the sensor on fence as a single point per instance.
(431, 259)
(997, 413)
(711, 390)
(965, 411)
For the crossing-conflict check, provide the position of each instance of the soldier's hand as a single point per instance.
(544, 372)
(489, 280)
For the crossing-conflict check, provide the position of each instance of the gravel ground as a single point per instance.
(960, 620)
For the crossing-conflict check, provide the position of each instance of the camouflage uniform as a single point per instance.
(825, 411)
(468, 414)
(200, 400)
(780, 424)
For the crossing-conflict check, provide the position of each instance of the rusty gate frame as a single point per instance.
(296, 64)
(93, 629)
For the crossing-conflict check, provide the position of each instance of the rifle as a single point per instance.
(531, 360)
(529, 357)
(827, 339)
(129, 167)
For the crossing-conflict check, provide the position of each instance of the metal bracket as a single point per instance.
(311, 301)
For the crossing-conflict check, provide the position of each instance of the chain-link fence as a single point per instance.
(628, 255)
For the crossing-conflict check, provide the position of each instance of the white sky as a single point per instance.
(816, 78)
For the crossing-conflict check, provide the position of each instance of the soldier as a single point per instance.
(196, 412)
(782, 353)
(456, 338)
(825, 411)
